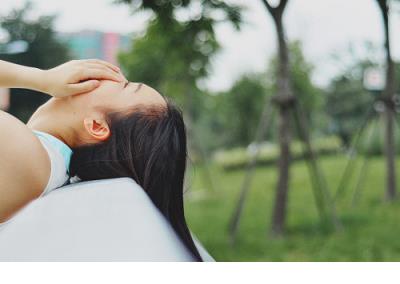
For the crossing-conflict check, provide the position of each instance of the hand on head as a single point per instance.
(79, 76)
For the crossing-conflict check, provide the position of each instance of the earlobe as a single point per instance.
(97, 128)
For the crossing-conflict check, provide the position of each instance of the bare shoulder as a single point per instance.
(24, 165)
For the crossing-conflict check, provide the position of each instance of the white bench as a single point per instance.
(108, 220)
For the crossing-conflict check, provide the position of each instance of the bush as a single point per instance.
(239, 157)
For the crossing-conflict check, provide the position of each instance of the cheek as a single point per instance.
(107, 94)
(87, 102)
(100, 99)
(81, 100)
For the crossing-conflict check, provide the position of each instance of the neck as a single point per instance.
(56, 118)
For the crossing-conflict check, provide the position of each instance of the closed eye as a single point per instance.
(138, 87)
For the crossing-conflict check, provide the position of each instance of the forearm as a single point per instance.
(18, 76)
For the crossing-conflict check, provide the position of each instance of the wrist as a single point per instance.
(37, 80)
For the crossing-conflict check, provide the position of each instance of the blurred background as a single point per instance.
(291, 106)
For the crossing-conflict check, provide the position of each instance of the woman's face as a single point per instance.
(86, 114)
(117, 96)
(89, 110)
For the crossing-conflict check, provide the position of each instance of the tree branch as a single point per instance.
(274, 11)
(382, 4)
(282, 5)
(269, 7)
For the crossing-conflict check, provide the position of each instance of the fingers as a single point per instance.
(100, 73)
(98, 69)
(105, 69)
(102, 63)
(83, 87)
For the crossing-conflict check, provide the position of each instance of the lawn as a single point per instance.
(371, 228)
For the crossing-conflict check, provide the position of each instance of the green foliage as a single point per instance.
(301, 71)
(370, 230)
(235, 114)
(162, 59)
(239, 110)
(44, 51)
(310, 97)
(175, 52)
(238, 158)
(348, 102)
(165, 10)
(373, 138)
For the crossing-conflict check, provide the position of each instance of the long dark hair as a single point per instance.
(147, 144)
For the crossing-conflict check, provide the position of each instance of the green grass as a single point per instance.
(371, 229)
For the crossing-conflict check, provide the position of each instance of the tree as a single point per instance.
(310, 96)
(347, 102)
(283, 98)
(160, 59)
(289, 106)
(240, 108)
(388, 98)
(44, 51)
(174, 53)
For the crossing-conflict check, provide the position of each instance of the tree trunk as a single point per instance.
(388, 98)
(390, 152)
(281, 197)
(283, 98)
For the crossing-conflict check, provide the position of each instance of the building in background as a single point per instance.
(95, 44)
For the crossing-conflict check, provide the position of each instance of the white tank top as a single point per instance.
(60, 156)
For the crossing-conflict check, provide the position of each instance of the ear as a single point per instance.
(97, 128)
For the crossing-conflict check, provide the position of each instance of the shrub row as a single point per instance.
(239, 157)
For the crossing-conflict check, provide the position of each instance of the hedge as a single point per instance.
(239, 157)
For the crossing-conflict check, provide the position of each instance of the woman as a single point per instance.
(113, 128)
